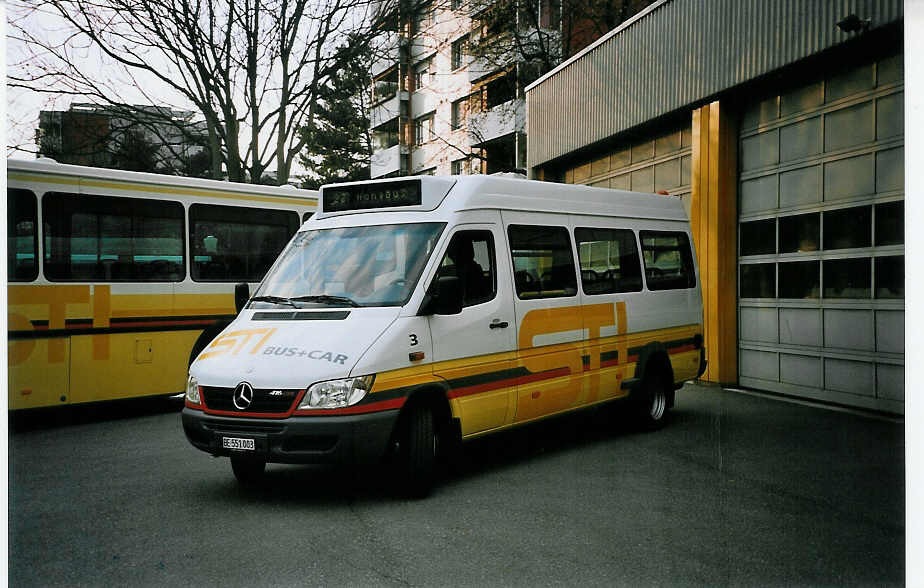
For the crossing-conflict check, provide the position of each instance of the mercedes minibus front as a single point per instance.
(293, 379)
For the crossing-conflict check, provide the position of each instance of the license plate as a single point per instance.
(237, 443)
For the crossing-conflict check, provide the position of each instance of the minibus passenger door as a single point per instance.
(472, 350)
(550, 328)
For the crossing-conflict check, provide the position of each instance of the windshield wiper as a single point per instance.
(274, 300)
(326, 299)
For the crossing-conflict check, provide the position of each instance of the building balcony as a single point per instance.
(421, 47)
(489, 63)
(423, 101)
(388, 161)
(428, 156)
(503, 119)
(476, 7)
(386, 110)
(500, 51)
(386, 52)
(479, 67)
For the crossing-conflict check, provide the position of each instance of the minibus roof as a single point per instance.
(478, 192)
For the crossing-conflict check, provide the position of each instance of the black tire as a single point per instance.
(419, 451)
(247, 470)
(652, 400)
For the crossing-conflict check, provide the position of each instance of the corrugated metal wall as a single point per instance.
(663, 162)
(676, 54)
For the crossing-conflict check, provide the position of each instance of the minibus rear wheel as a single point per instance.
(653, 400)
(248, 471)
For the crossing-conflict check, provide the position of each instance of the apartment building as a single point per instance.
(448, 88)
(90, 134)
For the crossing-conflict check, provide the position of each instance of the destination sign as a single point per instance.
(367, 196)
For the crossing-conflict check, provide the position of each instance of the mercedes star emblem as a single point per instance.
(243, 396)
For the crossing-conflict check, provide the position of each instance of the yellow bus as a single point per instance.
(116, 280)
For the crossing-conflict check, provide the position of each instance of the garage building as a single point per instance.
(781, 126)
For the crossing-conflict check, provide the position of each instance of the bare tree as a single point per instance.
(522, 40)
(251, 68)
(543, 33)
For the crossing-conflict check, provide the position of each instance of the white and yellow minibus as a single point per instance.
(415, 312)
(116, 280)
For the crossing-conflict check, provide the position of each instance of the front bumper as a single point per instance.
(336, 439)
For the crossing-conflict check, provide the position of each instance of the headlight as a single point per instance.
(192, 390)
(336, 393)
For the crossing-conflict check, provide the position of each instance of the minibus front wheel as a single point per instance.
(418, 450)
(248, 471)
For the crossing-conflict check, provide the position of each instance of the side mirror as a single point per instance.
(241, 296)
(443, 297)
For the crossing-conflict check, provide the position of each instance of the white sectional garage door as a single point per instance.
(821, 242)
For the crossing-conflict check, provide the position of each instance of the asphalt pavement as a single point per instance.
(737, 490)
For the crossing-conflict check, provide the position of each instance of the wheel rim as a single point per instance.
(658, 403)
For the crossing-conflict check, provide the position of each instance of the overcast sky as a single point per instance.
(23, 106)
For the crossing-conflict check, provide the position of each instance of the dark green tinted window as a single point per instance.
(890, 223)
(758, 280)
(236, 244)
(609, 260)
(470, 257)
(21, 236)
(668, 260)
(102, 238)
(758, 237)
(543, 263)
(847, 278)
(799, 233)
(799, 279)
(848, 228)
(890, 276)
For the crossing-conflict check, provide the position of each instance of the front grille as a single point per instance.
(251, 428)
(265, 400)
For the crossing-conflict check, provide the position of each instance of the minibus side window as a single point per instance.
(668, 261)
(543, 262)
(609, 261)
(21, 236)
(470, 257)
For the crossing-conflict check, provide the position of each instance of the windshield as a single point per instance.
(353, 266)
